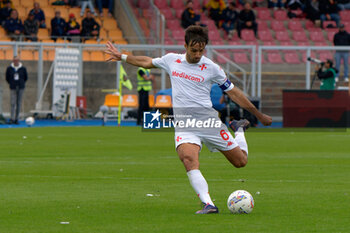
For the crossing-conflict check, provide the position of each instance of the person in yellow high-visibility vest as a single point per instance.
(144, 86)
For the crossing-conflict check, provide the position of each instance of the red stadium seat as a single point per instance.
(178, 34)
(248, 35)
(168, 13)
(265, 35)
(270, 43)
(309, 25)
(278, 26)
(321, 44)
(331, 33)
(264, 14)
(282, 36)
(173, 24)
(280, 15)
(345, 15)
(143, 4)
(161, 4)
(222, 60)
(177, 4)
(235, 43)
(327, 24)
(241, 58)
(300, 36)
(317, 36)
(274, 58)
(303, 43)
(262, 25)
(303, 55)
(213, 35)
(178, 13)
(295, 25)
(324, 55)
(291, 57)
(286, 43)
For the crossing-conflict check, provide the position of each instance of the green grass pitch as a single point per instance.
(98, 178)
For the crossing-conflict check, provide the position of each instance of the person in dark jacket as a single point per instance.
(16, 77)
(329, 11)
(229, 16)
(342, 38)
(5, 12)
(247, 20)
(14, 26)
(189, 17)
(90, 27)
(344, 4)
(73, 27)
(39, 15)
(312, 10)
(327, 76)
(58, 26)
(31, 27)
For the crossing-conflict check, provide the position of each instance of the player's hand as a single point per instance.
(265, 119)
(115, 55)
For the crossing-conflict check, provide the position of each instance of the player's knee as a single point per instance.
(189, 162)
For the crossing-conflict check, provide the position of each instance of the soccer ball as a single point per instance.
(240, 202)
(30, 121)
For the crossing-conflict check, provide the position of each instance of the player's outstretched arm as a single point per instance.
(140, 61)
(238, 97)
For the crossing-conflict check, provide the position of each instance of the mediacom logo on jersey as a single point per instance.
(153, 120)
(192, 77)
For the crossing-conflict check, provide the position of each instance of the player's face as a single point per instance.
(194, 52)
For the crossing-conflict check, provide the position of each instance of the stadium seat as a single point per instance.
(300, 36)
(26, 55)
(345, 15)
(265, 35)
(235, 43)
(210, 24)
(241, 58)
(97, 56)
(282, 36)
(278, 26)
(115, 34)
(262, 25)
(43, 33)
(274, 58)
(103, 34)
(16, 3)
(110, 24)
(161, 4)
(321, 44)
(178, 34)
(168, 14)
(295, 25)
(248, 35)
(27, 3)
(8, 54)
(130, 101)
(316, 36)
(270, 43)
(324, 55)
(303, 43)
(2, 55)
(22, 13)
(111, 100)
(163, 101)
(176, 4)
(329, 23)
(291, 57)
(220, 59)
(43, 3)
(178, 13)
(264, 14)
(280, 15)
(214, 36)
(286, 43)
(331, 33)
(173, 24)
(143, 4)
(304, 57)
(310, 25)
(86, 56)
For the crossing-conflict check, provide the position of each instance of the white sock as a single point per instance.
(200, 186)
(240, 139)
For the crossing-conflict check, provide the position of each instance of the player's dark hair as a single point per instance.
(196, 34)
(330, 62)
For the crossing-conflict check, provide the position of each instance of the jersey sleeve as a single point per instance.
(162, 62)
(221, 79)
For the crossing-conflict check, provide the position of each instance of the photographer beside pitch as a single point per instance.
(192, 95)
(327, 74)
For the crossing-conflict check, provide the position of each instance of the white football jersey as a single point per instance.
(191, 83)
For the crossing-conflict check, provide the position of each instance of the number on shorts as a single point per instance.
(224, 135)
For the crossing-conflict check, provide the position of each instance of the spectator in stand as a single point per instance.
(5, 12)
(276, 3)
(342, 38)
(329, 11)
(215, 8)
(91, 29)
(344, 4)
(31, 27)
(58, 26)
(105, 3)
(295, 4)
(84, 4)
(39, 15)
(246, 19)
(14, 26)
(3, 3)
(73, 27)
(312, 10)
(71, 3)
(188, 17)
(229, 16)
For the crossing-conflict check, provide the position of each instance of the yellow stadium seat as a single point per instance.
(97, 56)
(43, 3)
(151, 101)
(49, 55)
(130, 101)
(115, 34)
(47, 41)
(111, 100)
(26, 55)
(163, 101)
(22, 13)
(16, 3)
(91, 42)
(49, 14)
(43, 33)
(120, 41)
(86, 56)
(103, 34)
(27, 3)
(109, 24)
(2, 55)
(8, 54)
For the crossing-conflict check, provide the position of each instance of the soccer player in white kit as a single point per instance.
(192, 76)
